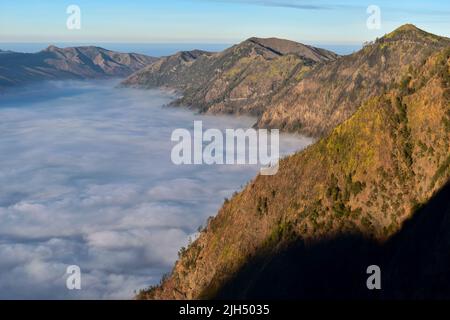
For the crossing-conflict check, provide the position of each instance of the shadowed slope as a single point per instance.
(415, 264)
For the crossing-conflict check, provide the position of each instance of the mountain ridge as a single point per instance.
(234, 80)
(53, 63)
(366, 178)
(165, 72)
(303, 95)
(315, 104)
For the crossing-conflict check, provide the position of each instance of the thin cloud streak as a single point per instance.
(281, 4)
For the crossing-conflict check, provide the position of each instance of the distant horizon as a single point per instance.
(156, 49)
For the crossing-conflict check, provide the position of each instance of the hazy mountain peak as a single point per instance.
(189, 55)
(66, 63)
(91, 49)
(282, 47)
(51, 48)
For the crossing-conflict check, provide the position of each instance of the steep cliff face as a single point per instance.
(364, 180)
(240, 79)
(56, 63)
(331, 92)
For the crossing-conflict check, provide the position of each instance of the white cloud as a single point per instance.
(86, 179)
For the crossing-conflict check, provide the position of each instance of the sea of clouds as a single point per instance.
(86, 178)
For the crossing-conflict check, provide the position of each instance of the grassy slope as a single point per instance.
(240, 79)
(331, 92)
(367, 177)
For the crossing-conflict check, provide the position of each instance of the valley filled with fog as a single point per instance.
(86, 179)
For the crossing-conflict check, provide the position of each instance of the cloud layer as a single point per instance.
(86, 179)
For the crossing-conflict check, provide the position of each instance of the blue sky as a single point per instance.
(214, 21)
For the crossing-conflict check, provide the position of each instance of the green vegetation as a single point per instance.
(442, 171)
(262, 207)
(366, 177)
